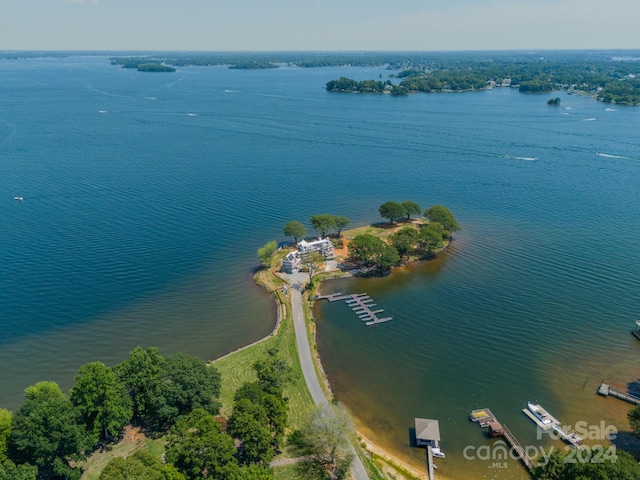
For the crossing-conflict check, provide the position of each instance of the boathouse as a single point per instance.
(427, 433)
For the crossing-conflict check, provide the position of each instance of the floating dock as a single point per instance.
(361, 304)
(572, 437)
(607, 390)
(485, 418)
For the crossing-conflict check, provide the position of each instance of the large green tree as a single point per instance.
(102, 400)
(250, 424)
(365, 248)
(265, 253)
(186, 383)
(441, 214)
(410, 208)
(391, 211)
(295, 229)
(199, 449)
(405, 240)
(612, 464)
(322, 223)
(140, 373)
(273, 371)
(430, 239)
(47, 431)
(341, 222)
(325, 439)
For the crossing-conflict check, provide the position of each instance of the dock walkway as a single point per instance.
(485, 418)
(361, 304)
(607, 390)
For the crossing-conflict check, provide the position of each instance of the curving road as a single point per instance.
(306, 361)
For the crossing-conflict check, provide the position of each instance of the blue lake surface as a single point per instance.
(147, 195)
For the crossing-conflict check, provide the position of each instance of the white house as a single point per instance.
(294, 260)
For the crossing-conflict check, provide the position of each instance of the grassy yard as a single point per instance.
(131, 442)
(383, 230)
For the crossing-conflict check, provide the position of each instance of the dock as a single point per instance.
(607, 390)
(485, 418)
(361, 304)
(572, 437)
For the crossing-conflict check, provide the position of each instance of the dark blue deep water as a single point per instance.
(147, 195)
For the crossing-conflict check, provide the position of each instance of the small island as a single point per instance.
(155, 67)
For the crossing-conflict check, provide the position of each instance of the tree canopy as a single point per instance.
(47, 431)
(340, 223)
(199, 449)
(295, 229)
(323, 223)
(391, 211)
(102, 400)
(441, 214)
(410, 208)
(265, 253)
(141, 465)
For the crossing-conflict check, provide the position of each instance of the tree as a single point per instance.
(323, 223)
(295, 229)
(11, 471)
(47, 430)
(256, 472)
(341, 222)
(410, 208)
(140, 373)
(265, 253)
(250, 424)
(364, 248)
(404, 240)
(102, 400)
(430, 239)
(325, 439)
(391, 211)
(5, 432)
(441, 214)
(143, 465)
(199, 450)
(313, 261)
(273, 371)
(634, 419)
(387, 258)
(613, 464)
(186, 383)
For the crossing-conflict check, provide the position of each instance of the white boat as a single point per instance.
(540, 413)
(18, 197)
(436, 452)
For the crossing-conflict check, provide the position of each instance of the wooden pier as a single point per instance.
(361, 304)
(607, 390)
(485, 418)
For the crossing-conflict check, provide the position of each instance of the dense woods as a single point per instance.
(175, 397)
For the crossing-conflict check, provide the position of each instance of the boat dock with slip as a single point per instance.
(361, 304)
(485, 418)
(545, 421)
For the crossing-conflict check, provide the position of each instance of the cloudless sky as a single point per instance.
(216, 25)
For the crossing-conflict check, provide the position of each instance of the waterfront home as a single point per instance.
(294, 260)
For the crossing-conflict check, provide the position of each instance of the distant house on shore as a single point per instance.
(294, 260)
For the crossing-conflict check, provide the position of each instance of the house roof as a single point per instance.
(427, 429)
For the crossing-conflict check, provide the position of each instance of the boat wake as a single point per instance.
(230, 91)
(611, 156)
(592, 119)
(528, 159)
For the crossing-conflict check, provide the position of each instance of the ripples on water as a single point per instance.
(146, 196)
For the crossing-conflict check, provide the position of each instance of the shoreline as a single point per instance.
(391, 462)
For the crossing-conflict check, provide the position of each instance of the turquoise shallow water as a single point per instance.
(146, 197)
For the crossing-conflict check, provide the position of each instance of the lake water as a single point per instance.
(146, 197)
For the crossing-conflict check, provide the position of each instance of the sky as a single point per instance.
(262, 25)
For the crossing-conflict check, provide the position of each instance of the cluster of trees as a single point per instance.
(344, 84)
(155, 67)
(323, 223)
(394, 210)
(52, 431)
(411, 241)
(202, 446)
(620, 466)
